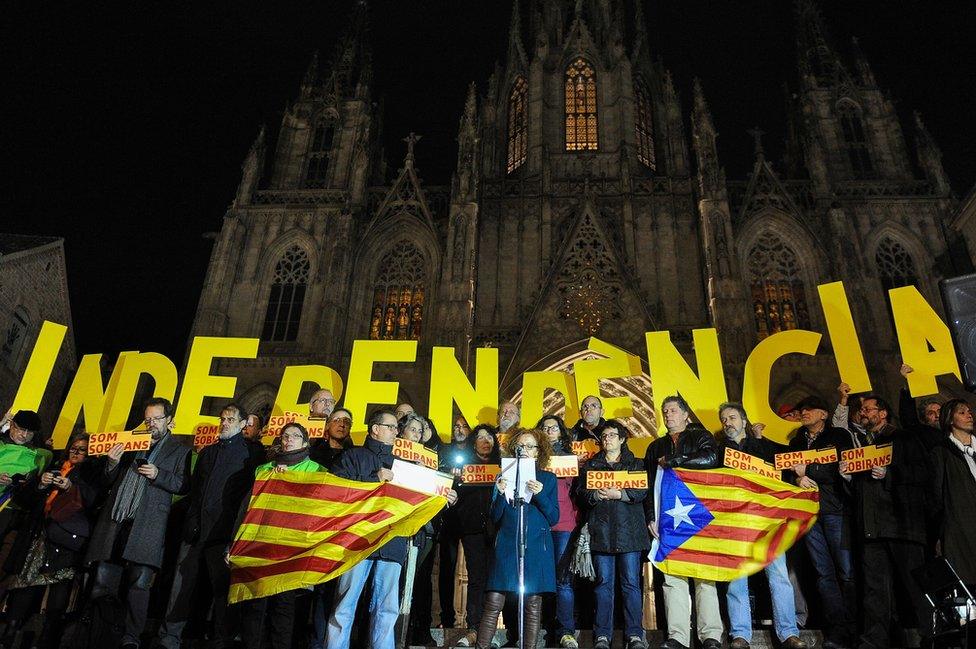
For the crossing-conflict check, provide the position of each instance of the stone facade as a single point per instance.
(33, 288)
(583, 204)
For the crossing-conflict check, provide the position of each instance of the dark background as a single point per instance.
(124, 124)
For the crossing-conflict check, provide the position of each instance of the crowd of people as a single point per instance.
(142, 538)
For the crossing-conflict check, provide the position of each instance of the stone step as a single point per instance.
(761, 639)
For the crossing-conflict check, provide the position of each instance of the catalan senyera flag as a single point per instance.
(723, 524)
(303, 529)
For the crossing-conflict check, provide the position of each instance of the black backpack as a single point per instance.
(100, 625)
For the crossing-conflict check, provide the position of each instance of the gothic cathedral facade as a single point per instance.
(587, 200)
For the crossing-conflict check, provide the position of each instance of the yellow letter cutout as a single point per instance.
(755, 389)
(670, 374)
(199, 384)
(919, 327)
(292, 380)
(843, 337)
(448, 383)
(361, 389)
(534, 386)
(617, 364)
(39, 367)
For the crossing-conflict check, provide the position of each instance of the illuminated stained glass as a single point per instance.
(287, 296)
(643, 124)
(581, 116)
(398, 294)
(516, 124)
(778, 299)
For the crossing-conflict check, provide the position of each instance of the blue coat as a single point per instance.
(541, 513)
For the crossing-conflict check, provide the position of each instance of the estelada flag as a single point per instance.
(305, 528)
(723, 524)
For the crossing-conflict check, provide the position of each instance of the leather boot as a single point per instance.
(533, 618)
(493, 603)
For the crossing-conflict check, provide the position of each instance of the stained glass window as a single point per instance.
(287, 296)
(318, 155)
(398, 294)
(855, 141)
(778, 299)
(643, 124)
(516, 124)
(895, 266)
(581, 131)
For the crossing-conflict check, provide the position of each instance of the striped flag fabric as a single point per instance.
(723, 524)
(305, 528)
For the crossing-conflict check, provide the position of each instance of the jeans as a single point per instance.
(565, 600)
(834, 575)
(384, 607)
(137, 579)
(784, 606)
(627, 564)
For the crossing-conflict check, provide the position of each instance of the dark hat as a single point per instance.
(813, 403)
(28, 420)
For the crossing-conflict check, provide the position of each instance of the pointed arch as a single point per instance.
(776, 283)
(895, 264)
(259, 400)
(581, 109)
(399, 289)
(644, 124)
(287, 297)
(517, 100)
(854, 139)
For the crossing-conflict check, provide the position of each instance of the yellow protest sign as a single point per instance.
(744, 462)
(791, 458)
(585, 449)
(131, 440)
(866, 457)
(480, 473)
(414, 452)
(314, 425)
(616, 480)
(564, 466)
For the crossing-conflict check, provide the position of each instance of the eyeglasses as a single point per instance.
(393, 426)
(606, 435)
(323, 400)
(869, 409)
(529, 446)
(589, 406)
(292, 436)
(150, 420)
(550, 429)
(78, 450)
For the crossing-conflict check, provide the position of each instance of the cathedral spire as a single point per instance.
(861, 61)
(516, 47)
(711, 176)
(351, 61)
(818, 62)
(930, 157)
(641, 39)
(311, 78)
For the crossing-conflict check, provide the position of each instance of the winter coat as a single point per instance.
(145, 542)
(362, 463)
(695, 449)
(834, 492)
(541, 513)
(222, 478)
(952, 492)
(616, 526)
(894, 507)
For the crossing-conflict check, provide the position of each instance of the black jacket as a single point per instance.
(616, 526)
(953, 492)
(362, 463)
(581, 434)
(834, 498)
(894, 507)
(221, 480)
(908, 418)
(695, 449)
(764, 449)
(323, 453)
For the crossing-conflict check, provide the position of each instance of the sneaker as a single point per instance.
(603, 642)
(568, 641)
(739, 643)
(468, 639)
(634, 642)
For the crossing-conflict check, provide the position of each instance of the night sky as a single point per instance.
(124, 123)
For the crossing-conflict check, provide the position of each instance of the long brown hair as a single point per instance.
(545, 448)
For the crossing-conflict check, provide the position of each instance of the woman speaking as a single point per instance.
(541, 513)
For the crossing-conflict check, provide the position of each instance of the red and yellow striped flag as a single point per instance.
(303, 529)
(723, 524)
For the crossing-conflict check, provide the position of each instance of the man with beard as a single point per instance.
(127, 542)
(222, 477)
(736, 431)
(591, 418)
(508, 417)
(688, 445)
(890, 515)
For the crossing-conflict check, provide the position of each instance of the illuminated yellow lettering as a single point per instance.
(843, 337)
(292, 380)
(448, 384)
(920, 328)
(534, 386)
(617, 364)
(672, 375)
(361, 389)
(199, 384)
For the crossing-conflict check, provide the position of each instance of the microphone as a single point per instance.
(519, 450)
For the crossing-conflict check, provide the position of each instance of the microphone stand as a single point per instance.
(519, 503)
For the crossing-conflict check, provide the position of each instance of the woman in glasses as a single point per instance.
(541, 513)
(48, 551)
